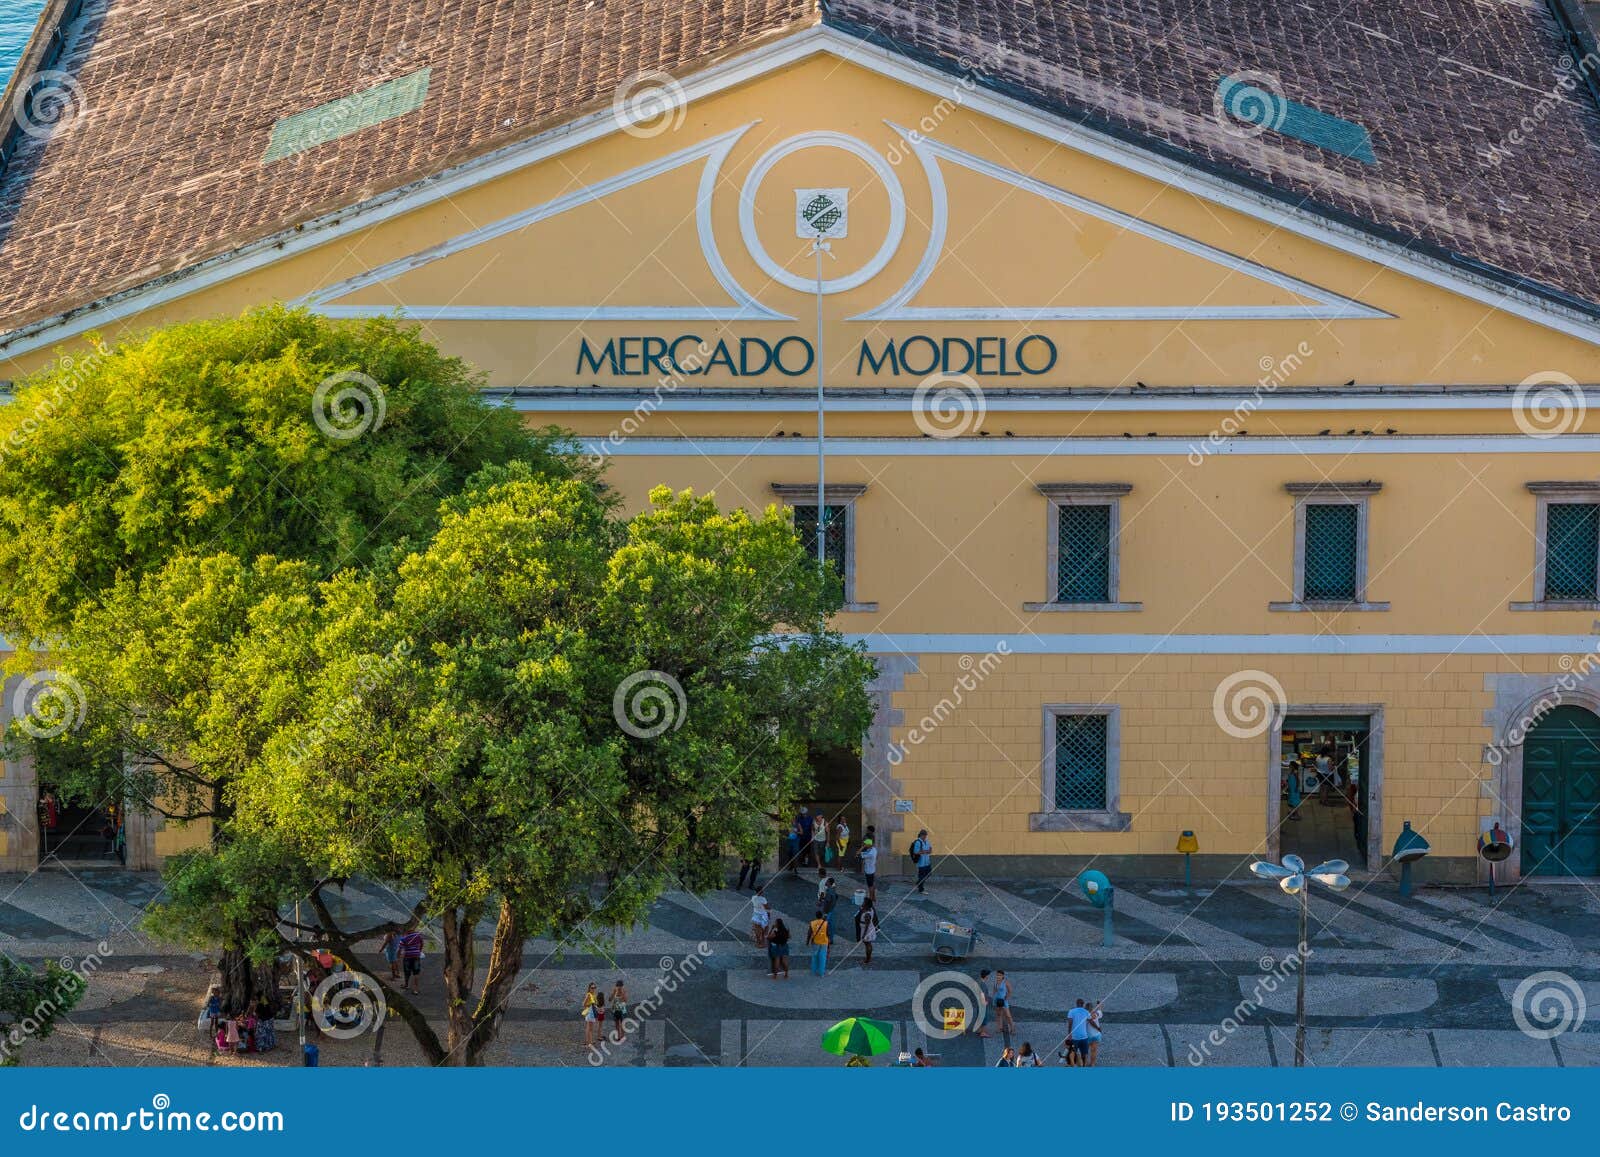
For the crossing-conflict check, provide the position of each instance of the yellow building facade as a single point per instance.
(1146, 486)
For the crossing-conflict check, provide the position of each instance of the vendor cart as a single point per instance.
(951, 942)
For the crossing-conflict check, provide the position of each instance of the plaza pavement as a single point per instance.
(1425, 981)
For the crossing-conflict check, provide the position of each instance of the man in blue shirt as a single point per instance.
(922, 850)
(807, 826)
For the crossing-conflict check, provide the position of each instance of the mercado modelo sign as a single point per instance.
(690, 355)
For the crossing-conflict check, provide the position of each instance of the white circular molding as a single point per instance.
(816, 140)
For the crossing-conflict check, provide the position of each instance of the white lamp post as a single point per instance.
(1294, 879)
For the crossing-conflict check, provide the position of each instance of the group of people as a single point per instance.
(1080, 1047)
(405, 951)
(768, 930)
(252, 1031)
(595, 1008)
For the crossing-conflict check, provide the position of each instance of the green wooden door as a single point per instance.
(1561, 795)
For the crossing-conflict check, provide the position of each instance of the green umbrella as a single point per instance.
(859, 1035)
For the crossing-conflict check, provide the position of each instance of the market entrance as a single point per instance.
(1324, 783)
(69, 831)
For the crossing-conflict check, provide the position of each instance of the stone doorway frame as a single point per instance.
(1373, 773)
(1511, 730)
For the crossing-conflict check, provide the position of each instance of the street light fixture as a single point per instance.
(1293, 877)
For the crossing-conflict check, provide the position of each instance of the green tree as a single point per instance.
(141, 485)
(31, 1002)
(544, 718)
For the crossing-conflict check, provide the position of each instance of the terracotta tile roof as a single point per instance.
(178, 101)
(1441, 88)
(164, 167)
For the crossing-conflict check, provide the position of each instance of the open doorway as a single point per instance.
(1325, 787)
(78, 832)
(835, 796)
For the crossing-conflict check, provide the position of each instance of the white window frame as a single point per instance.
(1059, 494)
(1357, 494)
(797, 494)
(1109, 819)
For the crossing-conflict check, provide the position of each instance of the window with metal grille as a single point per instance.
(1571, 547)
(1083, 553)
(1332, 551)
(1081, 749)
(838, 534)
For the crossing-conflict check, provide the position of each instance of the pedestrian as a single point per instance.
(1295, 782)
(213, 1012)
(922, 850)
(1027, 1058)
(748, 869)
(411, 960)
(760, 919)
(1095, 1033)
(1077, 1042)
(841, 839)
(807, 824)
(1002, 1006)
(829, 899)
(1008, 1058)
(619, 1009)
(919, 1060)
(1324, 773)
(980, 1015)
(869, 930)
(778, 949)
(817, 937)
(391, 953)
(869, 867)
(591, 1000)
(791, 845)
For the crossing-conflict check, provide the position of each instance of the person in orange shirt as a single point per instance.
(817, 937)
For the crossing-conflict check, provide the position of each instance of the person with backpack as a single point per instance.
(922, 852)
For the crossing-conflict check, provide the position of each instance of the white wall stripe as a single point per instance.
(1307, 644)
(998, 447)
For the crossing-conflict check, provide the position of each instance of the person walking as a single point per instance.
(1002, 1006)
(829, 899)
(817, 937)
(869, 930)
(391, 953)
(411, 960)
(619, 1010)
(808, 825)
(748, 869)
(1095, 1033)
(922, 852)
(869, 867)
(841, 839)
(778, 949)
(791, 845)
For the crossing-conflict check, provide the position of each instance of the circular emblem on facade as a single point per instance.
(822, 215)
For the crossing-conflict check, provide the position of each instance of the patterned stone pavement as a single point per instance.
(1201, 978)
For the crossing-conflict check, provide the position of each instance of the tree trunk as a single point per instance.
(460, 971)
(244, 983)
(505, 963)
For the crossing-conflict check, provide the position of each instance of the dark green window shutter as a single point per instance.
(1332, 549)
(1571, 544)
(1081, 762)
(805, 525)
(1083, 554)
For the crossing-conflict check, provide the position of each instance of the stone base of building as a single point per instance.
(1207, 869)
